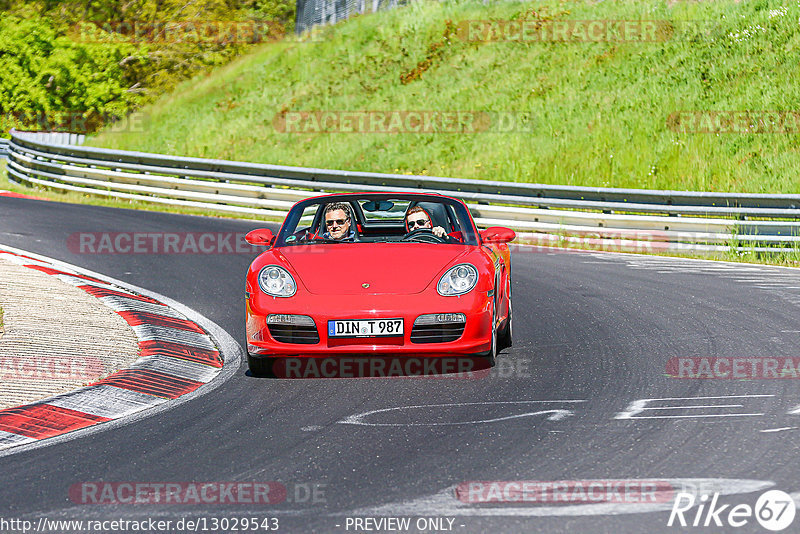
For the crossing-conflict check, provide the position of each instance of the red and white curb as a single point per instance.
(179, 360)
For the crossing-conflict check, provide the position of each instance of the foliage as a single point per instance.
(67, 60)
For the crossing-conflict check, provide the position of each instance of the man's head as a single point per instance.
(417, 218)
(337, 220)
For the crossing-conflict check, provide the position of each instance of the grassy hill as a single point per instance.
(597, 112)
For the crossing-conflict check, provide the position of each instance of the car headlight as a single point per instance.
(276, 281)
(458, 280)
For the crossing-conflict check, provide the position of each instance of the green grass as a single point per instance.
(599, 110)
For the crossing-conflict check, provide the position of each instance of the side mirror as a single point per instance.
(498, 234)
(262, 237)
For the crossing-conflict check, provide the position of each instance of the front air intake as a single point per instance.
(297, 329)
(438, 328)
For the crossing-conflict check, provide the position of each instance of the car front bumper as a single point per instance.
(475, 339)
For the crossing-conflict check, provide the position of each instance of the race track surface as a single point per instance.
(593, 334)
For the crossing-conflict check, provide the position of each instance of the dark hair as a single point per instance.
(417, 209)
(344, 206)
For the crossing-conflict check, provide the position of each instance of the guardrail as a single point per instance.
(698, 221)
(3, 148)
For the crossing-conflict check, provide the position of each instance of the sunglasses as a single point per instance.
(418, 222)
(337, 222)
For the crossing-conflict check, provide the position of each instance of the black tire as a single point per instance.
(491, 355)
(259, 366)
(504, 339)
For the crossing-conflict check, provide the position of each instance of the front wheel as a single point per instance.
(505, 334)
(491, 356)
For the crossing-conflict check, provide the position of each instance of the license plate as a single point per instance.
(365, 328)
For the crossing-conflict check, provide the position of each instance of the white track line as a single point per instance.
(120, 304)
(106, 401)
(177, 367)
(149, 332)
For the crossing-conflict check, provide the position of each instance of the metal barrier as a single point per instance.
(3, 148)
(706, 221)
(312, 13)
(56, 138)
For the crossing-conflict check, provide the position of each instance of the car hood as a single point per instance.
(397, 268)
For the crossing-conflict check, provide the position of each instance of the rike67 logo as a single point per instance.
(774, 510)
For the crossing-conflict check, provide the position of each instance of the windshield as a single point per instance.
(378, 219)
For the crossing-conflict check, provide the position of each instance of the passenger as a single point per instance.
(337, 222)
(417, 218)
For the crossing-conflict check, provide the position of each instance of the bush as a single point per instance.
(53, 72)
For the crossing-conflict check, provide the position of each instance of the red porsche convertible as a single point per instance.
(378, 274)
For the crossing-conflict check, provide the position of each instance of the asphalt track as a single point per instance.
(596, 328)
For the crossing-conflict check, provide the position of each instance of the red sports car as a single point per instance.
(376, 274)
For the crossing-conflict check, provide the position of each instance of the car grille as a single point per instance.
(436, 333)
(304, 335)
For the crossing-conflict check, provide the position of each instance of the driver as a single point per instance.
(417, 218)
(337, 222)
